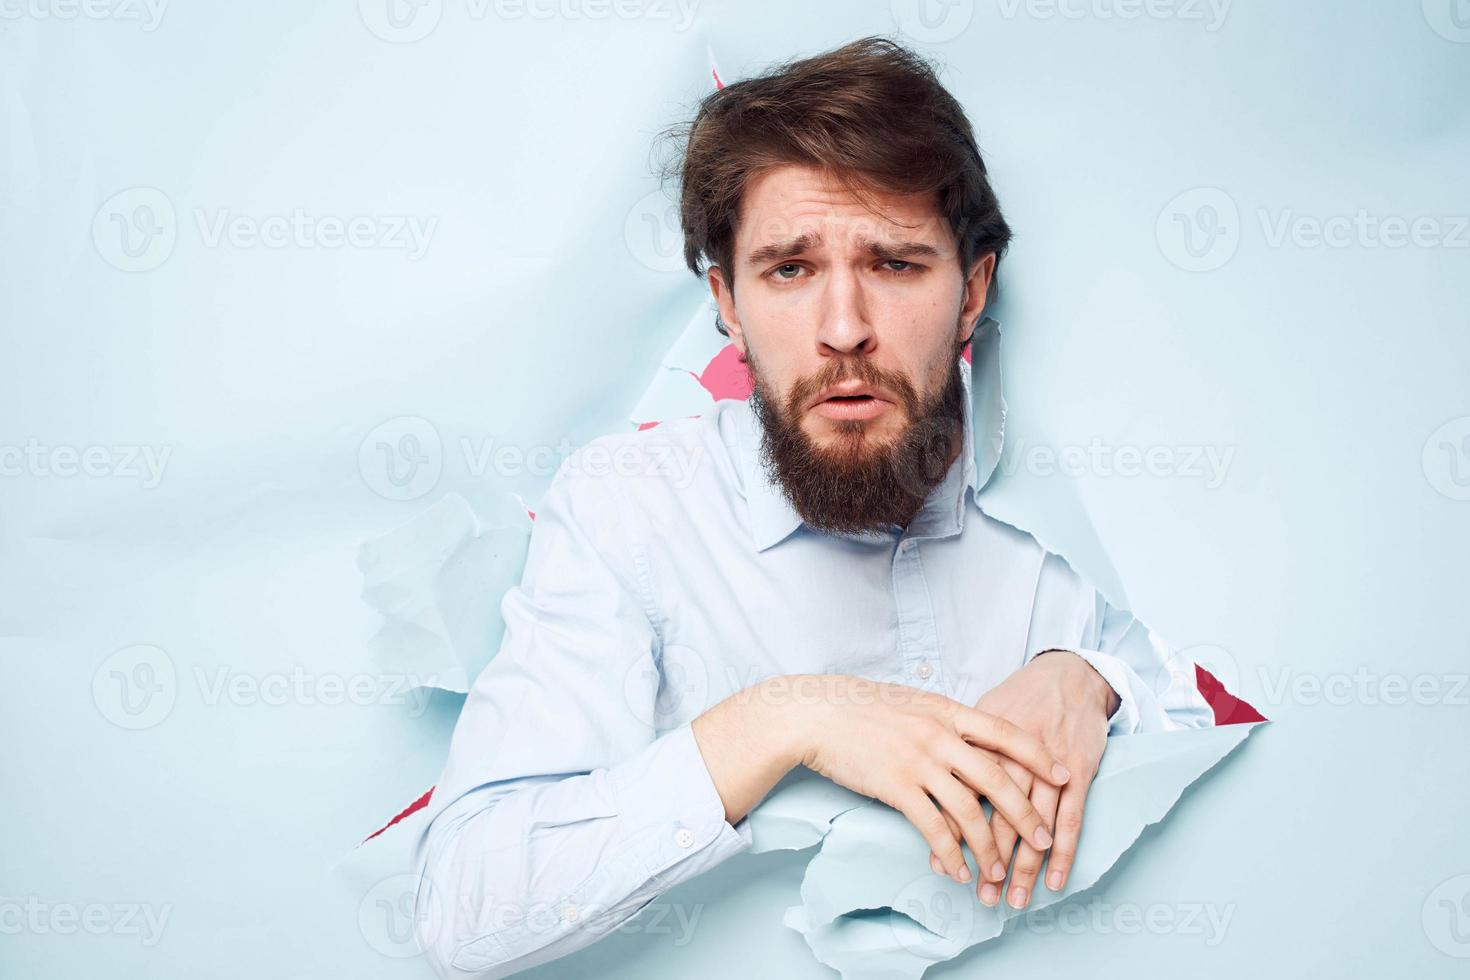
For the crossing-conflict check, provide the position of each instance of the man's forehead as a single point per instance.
(793, 211)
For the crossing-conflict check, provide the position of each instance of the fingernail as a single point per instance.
(989, 894)
(998, 871)
(964, 874)
(1054, 881)
(1018, 897)
(1059, 772)
(935, 865)
(1043, 839)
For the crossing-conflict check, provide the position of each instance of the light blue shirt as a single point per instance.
(667, 571)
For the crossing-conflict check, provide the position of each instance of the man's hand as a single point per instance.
(1061, 699)
(912, 749)
(925, 755)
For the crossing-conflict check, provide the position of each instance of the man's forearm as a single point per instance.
(749, 741)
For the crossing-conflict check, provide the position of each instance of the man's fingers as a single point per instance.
(985, 774)
(959, 801)
(1068, 833)
(988, 870)
(1007, 738)
(1005, 834)
(929, 821)
(1044, 797)
(954, 829)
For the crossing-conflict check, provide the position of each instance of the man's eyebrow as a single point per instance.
(783, 250)
(801, 243)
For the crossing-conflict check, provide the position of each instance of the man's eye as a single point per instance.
(907, 266)
(789, 265)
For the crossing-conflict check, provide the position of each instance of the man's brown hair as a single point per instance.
(871, 113)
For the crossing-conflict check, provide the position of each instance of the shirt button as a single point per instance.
(570, 913)
(907, 544)
(926, 670)
(684, 838)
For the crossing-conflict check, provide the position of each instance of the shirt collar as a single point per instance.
(773, 519)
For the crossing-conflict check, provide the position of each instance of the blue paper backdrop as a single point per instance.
(237, 240)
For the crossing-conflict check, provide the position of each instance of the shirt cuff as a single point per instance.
(671, 827)
(672, 810)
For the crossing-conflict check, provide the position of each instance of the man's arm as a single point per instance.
(1155, 684)
(561, 814)
(1093, 671)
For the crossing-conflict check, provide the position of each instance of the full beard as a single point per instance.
(857, 485)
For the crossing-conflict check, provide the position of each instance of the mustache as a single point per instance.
(852, 369)
(856, 485)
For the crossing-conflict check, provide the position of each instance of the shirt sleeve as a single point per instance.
(562, 810)
(1156, 684)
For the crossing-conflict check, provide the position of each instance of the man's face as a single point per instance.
(851, 325)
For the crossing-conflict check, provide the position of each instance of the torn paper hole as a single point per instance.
(438, 581)
(872, 909)
(864, 912)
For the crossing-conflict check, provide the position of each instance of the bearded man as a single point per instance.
(820, 587)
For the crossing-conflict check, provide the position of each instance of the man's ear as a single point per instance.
(977, 288)
(725, 297)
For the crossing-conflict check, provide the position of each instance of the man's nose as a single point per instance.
(845, 327)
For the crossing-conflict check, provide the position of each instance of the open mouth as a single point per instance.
(851, 407)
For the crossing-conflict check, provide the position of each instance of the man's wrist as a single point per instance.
(783, 720)
(1109, 698)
